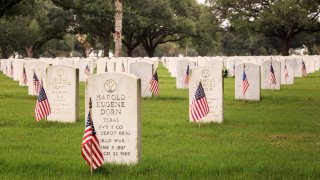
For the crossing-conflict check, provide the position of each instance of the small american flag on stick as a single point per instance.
(87, 71)
(42, 109)
(90, 144)
(272, 76)
(24, 76)
(186, 76)
(245, 82)
(199, 105)
(154, 84)
(36, 84)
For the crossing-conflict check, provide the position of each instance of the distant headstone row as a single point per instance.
(116, 86)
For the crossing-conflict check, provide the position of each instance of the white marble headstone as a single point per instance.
(106, 64)
(144, 71)
(211, 79)
(287, 68)
(39, 67)
(181, 73)
(253, 76)
(265, 75)
(63, 93)
(116, 115)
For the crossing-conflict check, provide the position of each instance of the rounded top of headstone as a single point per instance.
(113, 74)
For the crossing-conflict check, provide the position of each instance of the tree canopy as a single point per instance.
(36, 28)
(283, 19)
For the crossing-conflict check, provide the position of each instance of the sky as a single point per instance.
(201, 1)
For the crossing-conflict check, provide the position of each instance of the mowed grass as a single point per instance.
(275, 138)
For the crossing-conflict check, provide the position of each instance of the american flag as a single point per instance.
(87, 71)
(90, 146)
(303, 69)
(36, 84)
(154, 87)
(272, 77)
(186, 76)
(123, 69)
(286, 74)
(106, 67)
(42, 109)
(245, 82)
(24, 76)
(199, 105)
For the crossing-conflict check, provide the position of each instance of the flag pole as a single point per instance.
(90, 113)
(149, 83)
(244, 94)
(33, 89)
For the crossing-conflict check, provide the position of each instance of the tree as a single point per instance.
(206, 37)
(91, 17)
(34, 23)
(169, 21)
(283, 19)
(5, 5)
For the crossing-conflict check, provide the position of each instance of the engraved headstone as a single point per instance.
(82, 64)
(252, 72)
(39, 68)
(63, 93)
(181, 73)
(144, 71)
(121, 64)
(116, 115)
(211, 79)
(287, 71)
(215, 61)
(267, 81)
(106, 65)
(297, 66)
(173, 67)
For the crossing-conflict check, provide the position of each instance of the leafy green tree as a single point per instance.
(5, 5)
(283, 19)
(206, 38)
(34, 23)
(170, 21)
(5, 41)
(91, 17)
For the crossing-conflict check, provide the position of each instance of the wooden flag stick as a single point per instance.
(90, 113)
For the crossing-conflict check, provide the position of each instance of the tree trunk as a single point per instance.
(4, 50)
(30, 51)
(106, 44)
(129, 52)
(150, 52)
(149, 48)
(285, 46)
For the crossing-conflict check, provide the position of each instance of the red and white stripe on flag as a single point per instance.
(272, 76)
(91, 147)
(199, 105)
(154, 84)
(42, 108)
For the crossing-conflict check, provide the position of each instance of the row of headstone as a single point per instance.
(116, 112)
(289, 67)
(116, 95)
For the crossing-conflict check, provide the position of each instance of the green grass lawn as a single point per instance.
(275, 138)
